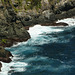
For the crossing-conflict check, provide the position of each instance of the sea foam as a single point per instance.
(69, 21)
(8, 68)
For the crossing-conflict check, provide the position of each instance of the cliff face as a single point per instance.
(33, 12)
(29, 12)
(11, 28)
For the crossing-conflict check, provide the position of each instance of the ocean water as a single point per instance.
(50, 51)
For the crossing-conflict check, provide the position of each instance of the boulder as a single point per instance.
(5, 55)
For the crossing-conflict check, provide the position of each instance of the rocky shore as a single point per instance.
(48, 13)
(5, 56)
(14, 25)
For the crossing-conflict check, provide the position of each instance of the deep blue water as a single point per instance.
(50, 53)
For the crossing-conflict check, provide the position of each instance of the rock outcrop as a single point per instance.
(55, 24)
(11, 31)
(50, 11)
(9, 35)
(5, 55)
(49, 24)
(11, 28)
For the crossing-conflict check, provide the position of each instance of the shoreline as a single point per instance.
(14, 26)
(42, 25)
(15, 41)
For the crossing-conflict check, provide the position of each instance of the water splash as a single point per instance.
(69, 21)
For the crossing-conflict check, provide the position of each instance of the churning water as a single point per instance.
(50, 51)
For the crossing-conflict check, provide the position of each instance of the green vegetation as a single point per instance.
(3, 40)
(19, 2)
(30, 4)
(8, 3)
(54, 1)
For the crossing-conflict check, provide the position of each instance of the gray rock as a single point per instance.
(45, 4)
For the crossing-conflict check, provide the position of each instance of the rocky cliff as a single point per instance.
(29, 12)
(11, 31)
(16, 16)
(11, 28)
(33, 12)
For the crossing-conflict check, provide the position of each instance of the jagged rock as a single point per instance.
(12, 34)
(11, 30)
(4, 55)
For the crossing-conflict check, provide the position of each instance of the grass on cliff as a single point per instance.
(3, 41)
(30, 4)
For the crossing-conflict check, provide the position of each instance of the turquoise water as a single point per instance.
(50, 51)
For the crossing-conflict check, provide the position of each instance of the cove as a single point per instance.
(49, 51)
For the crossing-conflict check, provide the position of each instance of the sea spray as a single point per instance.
(69, 21)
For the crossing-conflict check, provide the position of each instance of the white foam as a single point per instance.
(13, 66)
(69, 21)
(38, 29)
(18, 44)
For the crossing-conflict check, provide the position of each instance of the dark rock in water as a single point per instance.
(11, 71)
(49, 24)
(5, 55)
(0, 66)
(55, 24)
(61, 24)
